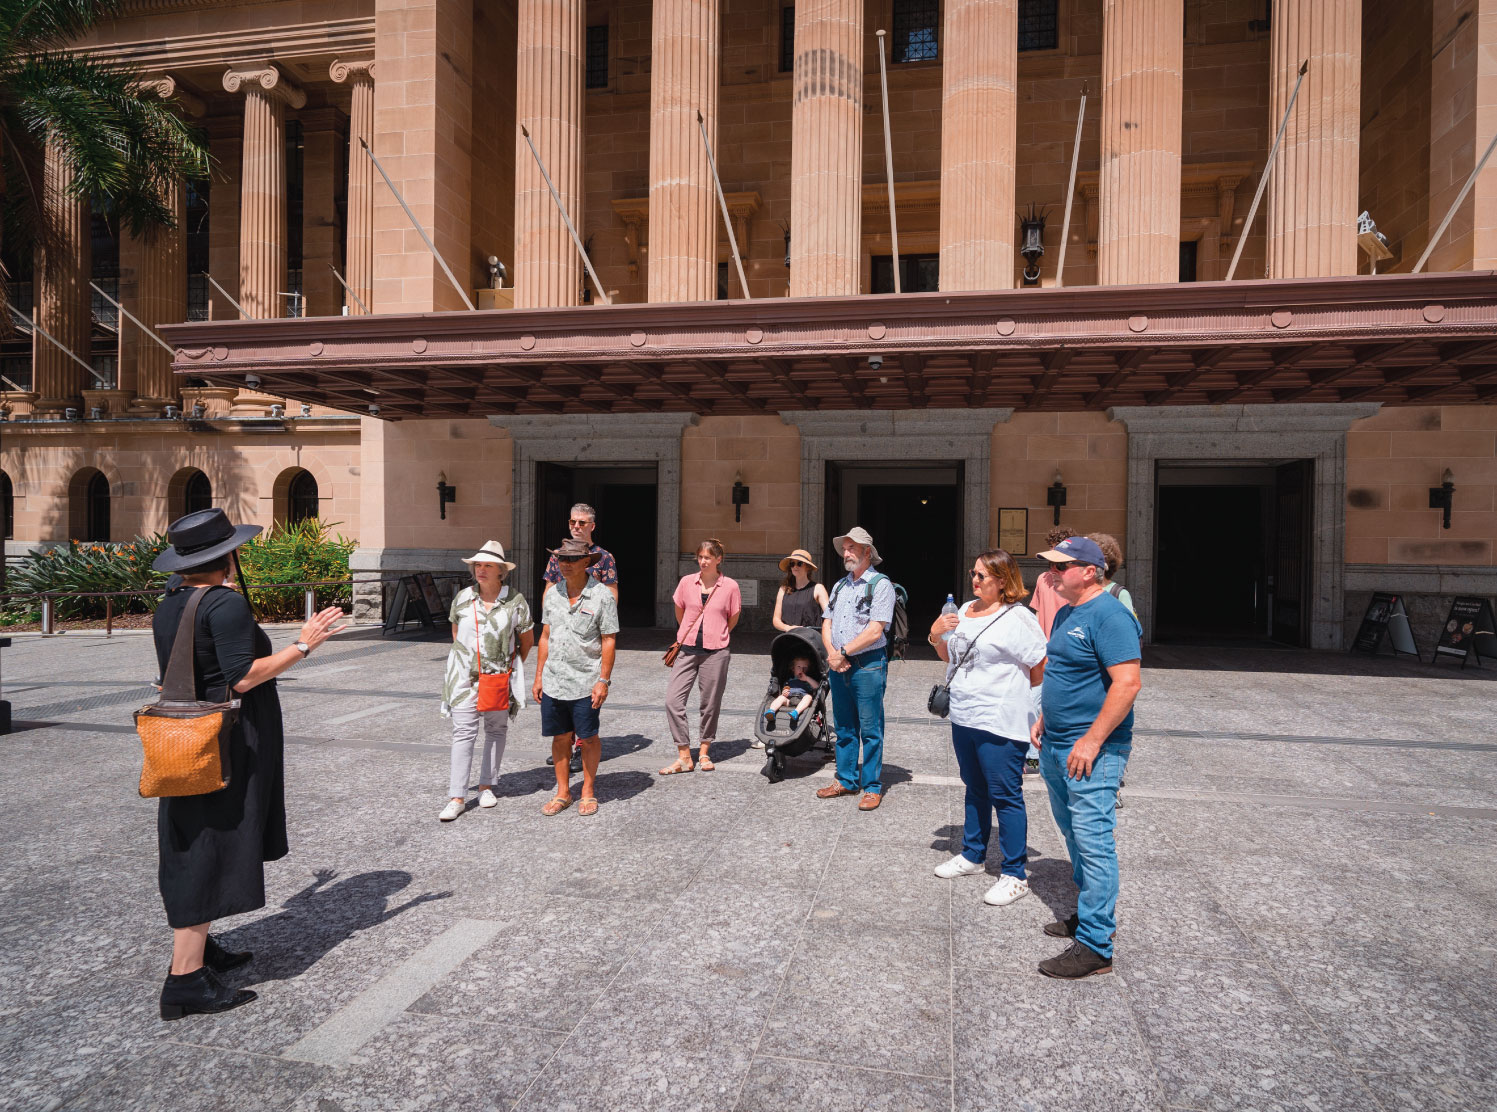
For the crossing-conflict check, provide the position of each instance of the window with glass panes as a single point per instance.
(597, 57)
(301, 498)
(915, 23)
(1039, 24)
(917, 273)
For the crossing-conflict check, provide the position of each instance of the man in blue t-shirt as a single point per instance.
(1085, 732)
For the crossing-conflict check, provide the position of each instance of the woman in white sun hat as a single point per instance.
(491, 626)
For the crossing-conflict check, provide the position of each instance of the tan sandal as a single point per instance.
(556, 806)
(676, 766)
(704, 763)
(588, 806)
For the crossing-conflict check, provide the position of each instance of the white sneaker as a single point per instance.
(1006, 891)
(958, 866)
(756, 744)
(488, 799)
(452, 810)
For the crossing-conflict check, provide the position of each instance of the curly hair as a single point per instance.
(1058, 534)
(1112, 552)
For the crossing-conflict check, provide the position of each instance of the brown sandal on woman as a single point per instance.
(588, 806)
(677, 766)
(556, 806)
(704, 763)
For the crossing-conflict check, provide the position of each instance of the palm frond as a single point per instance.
(126, 146)
(28, 26)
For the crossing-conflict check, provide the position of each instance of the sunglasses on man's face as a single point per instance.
(576, 521)
(1058, 568)
(570, 559)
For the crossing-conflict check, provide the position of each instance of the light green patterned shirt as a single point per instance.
(574, 653)
(502, 625)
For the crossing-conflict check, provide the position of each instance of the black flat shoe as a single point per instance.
(216, 958)
(199, 993)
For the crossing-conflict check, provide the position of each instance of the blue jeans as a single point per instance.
(1086, 812)
(993, 769)
(858, 708)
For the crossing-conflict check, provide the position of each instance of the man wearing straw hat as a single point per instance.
(852, 627)
(572, 669)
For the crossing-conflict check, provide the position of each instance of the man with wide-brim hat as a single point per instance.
(1085, 734)
(853, 630)
(573, 669)
(201, 538)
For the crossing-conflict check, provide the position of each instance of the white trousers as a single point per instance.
(465, 726)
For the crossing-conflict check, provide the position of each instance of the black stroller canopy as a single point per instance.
(801, 641)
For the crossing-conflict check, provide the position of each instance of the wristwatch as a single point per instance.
(605, 682)
(304, 648)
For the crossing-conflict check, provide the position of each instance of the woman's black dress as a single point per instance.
(800, 608)
(214, 846)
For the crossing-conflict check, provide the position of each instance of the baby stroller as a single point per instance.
(791, 741)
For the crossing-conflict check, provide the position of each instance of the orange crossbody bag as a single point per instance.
(493, 689)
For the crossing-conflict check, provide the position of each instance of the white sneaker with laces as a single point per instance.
(1006, 891)
(452, 810)
(958, 866)
(488, 799)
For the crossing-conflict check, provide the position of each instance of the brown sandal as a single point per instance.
(556, 806)
(676, 767)
(704, 763)
(588, 806)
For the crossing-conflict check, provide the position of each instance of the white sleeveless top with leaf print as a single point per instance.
(502, 625)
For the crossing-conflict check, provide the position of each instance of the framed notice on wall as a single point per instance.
(1013, 531)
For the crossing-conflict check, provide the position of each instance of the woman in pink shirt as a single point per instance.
(708, 605)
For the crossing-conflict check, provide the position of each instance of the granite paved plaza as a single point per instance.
(1307, 916)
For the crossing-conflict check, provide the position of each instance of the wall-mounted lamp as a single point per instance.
(1442, 496)
(445, 493)
(1055, 496)
(1372, 241)
(740, 497)
(278, 410)
(1032, 229)
(496, 273)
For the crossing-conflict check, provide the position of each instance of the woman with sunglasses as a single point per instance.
(801, 600)
(995, 655)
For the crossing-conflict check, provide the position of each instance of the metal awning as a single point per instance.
(1397, 339)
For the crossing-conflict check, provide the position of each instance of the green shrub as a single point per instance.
(304, 552)
(300, 553)
(87, 566)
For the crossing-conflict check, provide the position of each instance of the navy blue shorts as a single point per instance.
(568, 716)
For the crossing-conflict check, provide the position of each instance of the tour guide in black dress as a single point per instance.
(214, 846)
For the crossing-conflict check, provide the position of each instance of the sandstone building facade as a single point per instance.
(1270, 441)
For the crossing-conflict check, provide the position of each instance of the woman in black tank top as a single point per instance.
(801, 599)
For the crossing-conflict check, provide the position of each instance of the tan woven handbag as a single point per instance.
(186, 741)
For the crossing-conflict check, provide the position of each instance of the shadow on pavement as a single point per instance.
(1234, 658)
(318, 919)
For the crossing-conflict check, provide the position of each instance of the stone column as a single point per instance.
(1312, 190)
(1463, 119)
(684, 75)
(1138, 234)
(826, 153)
(321, 222)
(551, 65)
(63, 299)
(161, 293)
(262, 187)
(359, 235)
(979, 92)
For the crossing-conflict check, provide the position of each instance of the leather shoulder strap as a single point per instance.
(179, 685)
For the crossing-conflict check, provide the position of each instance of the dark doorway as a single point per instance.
(914, 511)
(626, 498)
(1232, 560)
(96, 526)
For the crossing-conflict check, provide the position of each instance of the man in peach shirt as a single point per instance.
(1046, 602)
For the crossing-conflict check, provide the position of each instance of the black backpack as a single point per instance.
(897, 635)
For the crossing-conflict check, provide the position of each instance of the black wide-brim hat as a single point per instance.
(200, 538)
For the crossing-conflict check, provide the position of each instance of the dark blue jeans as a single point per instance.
(992, 767)
(858, 708)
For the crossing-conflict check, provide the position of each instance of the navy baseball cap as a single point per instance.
(1083, 550)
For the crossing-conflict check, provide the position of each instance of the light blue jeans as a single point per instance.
(858, 710)
(1086, 812)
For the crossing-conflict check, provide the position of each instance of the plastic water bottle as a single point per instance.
(949, 608)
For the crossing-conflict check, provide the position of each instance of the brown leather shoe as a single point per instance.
(833, 790)
(870, 801)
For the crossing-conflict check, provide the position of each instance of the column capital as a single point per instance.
(166, 87)
(267, 79)
(350, 70)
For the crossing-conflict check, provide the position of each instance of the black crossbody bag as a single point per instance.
(939, 700)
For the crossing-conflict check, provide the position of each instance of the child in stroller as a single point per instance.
(800, 683)
(798, 672)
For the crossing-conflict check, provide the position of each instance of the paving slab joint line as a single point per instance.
(335, 1040)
